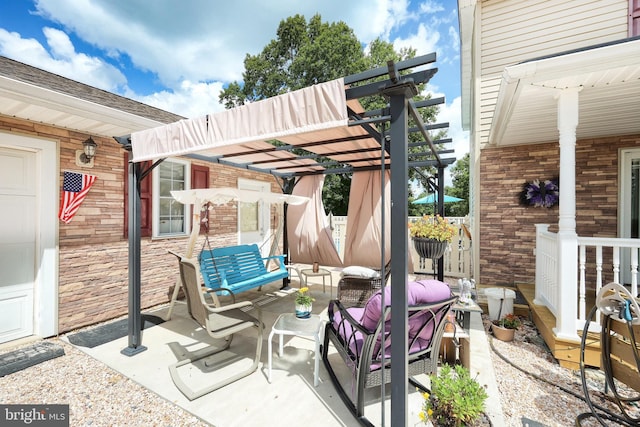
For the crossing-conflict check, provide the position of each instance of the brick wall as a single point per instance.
(93, 261)
(507, 229)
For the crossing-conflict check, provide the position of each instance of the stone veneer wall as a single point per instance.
(507, 229)
(93, 262)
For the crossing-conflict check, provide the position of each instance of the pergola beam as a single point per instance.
(374, 88)
(400, 66)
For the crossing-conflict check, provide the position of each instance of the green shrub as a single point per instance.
(456, 399)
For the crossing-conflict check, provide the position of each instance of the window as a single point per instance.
(634, 18)
(170, 218)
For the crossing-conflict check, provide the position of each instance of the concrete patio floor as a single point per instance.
(290, 398)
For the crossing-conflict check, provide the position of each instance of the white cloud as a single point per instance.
(423, 41)
(194, 47)
(452, 113)
(189, 100)
(430, 6)
(62, 60)
(198, 41)
(14, 46)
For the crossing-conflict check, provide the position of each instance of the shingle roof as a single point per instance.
(28, 74)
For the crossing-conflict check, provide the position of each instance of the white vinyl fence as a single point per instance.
(457, 258)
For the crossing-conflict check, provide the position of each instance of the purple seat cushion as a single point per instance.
(420, 292)
(352, 337)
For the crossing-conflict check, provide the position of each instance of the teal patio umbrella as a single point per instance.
(431, 198)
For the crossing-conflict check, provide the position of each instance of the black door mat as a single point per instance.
(110, 331)
(25, 357)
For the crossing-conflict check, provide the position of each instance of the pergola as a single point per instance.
(327, 124)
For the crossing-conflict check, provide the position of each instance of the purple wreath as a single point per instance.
(540, 193)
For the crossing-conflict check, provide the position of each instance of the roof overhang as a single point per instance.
(608, 77)
(30, 102)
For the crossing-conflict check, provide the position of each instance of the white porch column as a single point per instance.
(567, 237)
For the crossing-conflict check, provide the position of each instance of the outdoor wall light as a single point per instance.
(89, 148)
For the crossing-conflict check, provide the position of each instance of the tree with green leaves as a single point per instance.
(303, 54)
(306, 53)
(460, 189)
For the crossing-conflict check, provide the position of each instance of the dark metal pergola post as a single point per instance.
(399, 242)
(135, 315)
(287, 188)
(440, 195)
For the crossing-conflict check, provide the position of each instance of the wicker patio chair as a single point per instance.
(362, 338)
(354, 291)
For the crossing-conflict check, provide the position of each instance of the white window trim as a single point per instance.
(155, 204)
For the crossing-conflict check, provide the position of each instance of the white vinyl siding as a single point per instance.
(514, 31)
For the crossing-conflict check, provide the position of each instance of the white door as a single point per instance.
(629, 210)
(18, 226)
(254, 224)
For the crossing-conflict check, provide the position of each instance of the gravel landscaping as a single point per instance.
(535, 390)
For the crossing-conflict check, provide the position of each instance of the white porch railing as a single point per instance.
(546, 268)
(592, 251)
(457, 258)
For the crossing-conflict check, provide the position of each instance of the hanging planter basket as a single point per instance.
(429, 248)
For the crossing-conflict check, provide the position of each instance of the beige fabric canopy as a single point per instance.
(315, 119)
(364, 220)
(290, 117)
(308, 230)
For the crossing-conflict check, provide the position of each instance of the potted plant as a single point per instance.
(304, 303)
(456, 399)
(505, 328)
(431, 235)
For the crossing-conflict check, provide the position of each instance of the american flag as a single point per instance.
(74, 189)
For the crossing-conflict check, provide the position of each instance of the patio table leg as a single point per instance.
(317, 337)
(269, 352)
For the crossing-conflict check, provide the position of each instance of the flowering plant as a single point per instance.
(455, 399)
(540, 193)
(303, 297)
(432, 227)
(509, 321)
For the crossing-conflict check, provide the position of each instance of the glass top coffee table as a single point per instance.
(289, 324)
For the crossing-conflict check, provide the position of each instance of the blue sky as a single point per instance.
(178, 54)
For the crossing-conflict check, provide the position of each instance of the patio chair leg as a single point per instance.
(194, 394)
(174, 298)
(346, 399)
